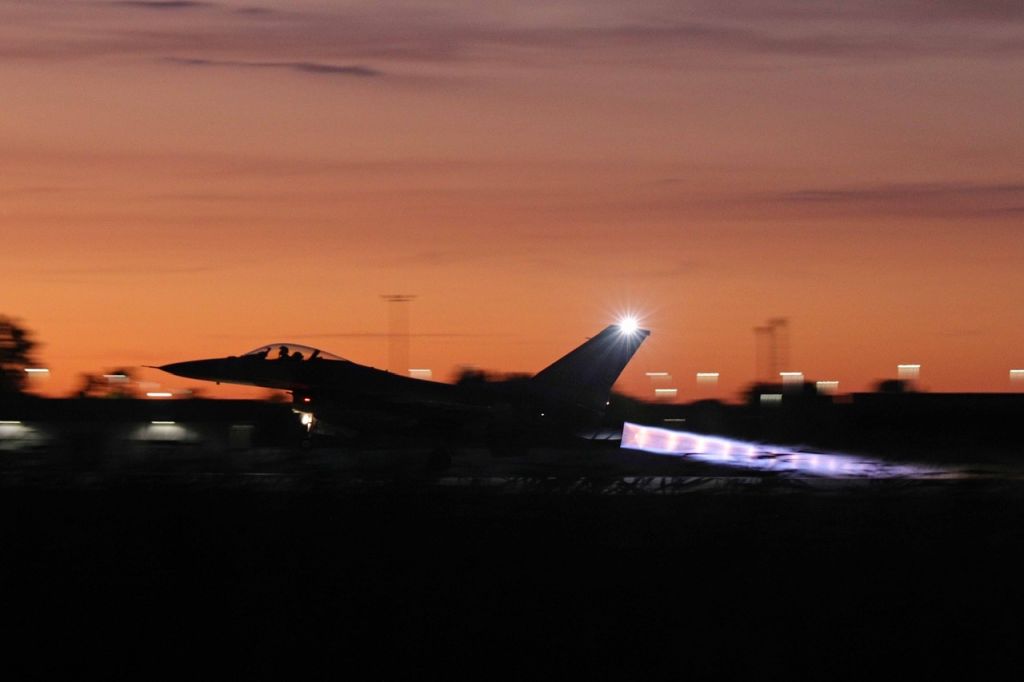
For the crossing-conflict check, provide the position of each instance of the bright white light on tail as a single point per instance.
(629, 324)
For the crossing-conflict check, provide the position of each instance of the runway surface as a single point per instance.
(606, 563)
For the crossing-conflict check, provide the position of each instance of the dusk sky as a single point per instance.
(195, 179)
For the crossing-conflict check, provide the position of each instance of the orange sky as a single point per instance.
(186, 179)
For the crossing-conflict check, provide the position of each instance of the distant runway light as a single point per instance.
(1017, 376)
(657, 374)
(158, 394)
(158, 422)
(421, 373)
(790, 378)
(37, 370)
(771, 398)
(666, 392)
(908, 371)
(707, 377)
(10, 422)
(116, 378)
(827, 387)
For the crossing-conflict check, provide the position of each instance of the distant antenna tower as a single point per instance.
(780, 334)
(763, 348)
(772, 349)
(398, 331)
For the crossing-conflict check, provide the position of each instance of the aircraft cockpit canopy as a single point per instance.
(295, 352)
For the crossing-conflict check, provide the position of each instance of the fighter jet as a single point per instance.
(337, 397)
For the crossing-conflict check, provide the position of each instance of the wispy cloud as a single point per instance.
(950, 198)
(315, 68)
(364, 335)
(706, 35)
(662, 271)
(904, 192)
(38, 190)
(888, 11)
(118, 270)
(161, 4)
(384, 335)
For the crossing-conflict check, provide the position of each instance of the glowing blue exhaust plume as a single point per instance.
(764, 457)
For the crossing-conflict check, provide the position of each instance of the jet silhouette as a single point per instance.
(340, 397)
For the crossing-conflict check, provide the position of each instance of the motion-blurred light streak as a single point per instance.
(762, 456)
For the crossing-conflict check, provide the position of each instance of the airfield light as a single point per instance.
(37, 370)
(10, 422)
(629, 325)
(1017, 376)
(158, 422)
(827, 387)
(657, 374)
(908, 371)
(158, 394)
(707, 377)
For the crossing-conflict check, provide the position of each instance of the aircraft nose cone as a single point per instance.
(195, 369)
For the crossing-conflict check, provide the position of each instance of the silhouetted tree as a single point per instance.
(89, 385)
(894, 386)
(96, 386)
(16, 346)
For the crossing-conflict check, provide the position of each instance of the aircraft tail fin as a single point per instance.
(584, 377)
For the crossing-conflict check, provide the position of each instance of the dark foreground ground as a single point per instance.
(330, 576)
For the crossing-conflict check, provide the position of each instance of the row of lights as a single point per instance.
(904, 371)
(111, 378)
(828, 387)
(156, 422)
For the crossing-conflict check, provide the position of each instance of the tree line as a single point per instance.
(18, 352)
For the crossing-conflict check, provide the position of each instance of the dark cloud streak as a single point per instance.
(162, 4)
(314, 68)
(902, 192)
(993, 200)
